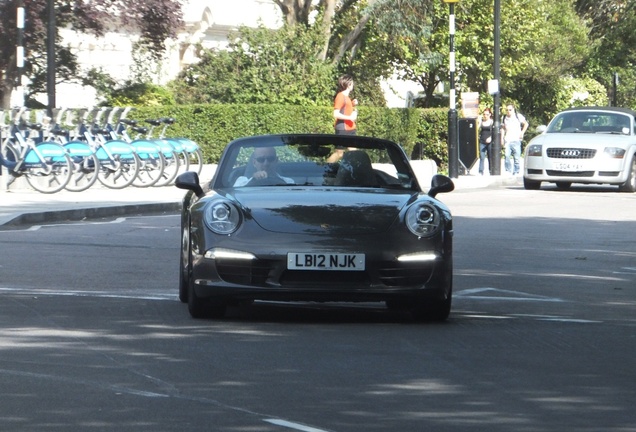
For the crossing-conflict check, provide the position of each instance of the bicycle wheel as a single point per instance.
(182, 155)
(195, 156)
(85, 166)
(172, 164)
(152, 163)
(10, 154)
(48, 168)
(119, 165)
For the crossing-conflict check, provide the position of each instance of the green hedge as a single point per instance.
(421, 132)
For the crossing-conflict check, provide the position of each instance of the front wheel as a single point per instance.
(85, 172)
(630, 183)
(531, 184)
(204, 307)
(48, 168)
(563, 185)
(119, 171)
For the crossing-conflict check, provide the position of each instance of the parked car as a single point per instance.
(315, 218)
(590, 145)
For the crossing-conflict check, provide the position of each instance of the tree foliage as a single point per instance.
(260, 66)
(154, 20)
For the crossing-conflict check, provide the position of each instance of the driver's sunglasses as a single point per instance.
(269, 159)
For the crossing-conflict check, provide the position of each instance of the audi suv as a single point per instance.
(589, 145)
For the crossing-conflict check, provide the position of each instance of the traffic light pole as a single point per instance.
(453, 145)
(495, 147)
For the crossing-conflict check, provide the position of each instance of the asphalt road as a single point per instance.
(542, 335)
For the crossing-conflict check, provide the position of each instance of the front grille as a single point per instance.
(323, 279)
(397, 274)
(535, 171)
(263, 272)
(569, 173)
(571, 153)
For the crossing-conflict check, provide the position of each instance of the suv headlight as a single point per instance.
(615, 152)
(423, 219)
(534, 150)
(222, 217)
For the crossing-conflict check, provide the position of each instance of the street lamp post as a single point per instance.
(495, 154)
(453, 145)
(19, 55)
(50, 57)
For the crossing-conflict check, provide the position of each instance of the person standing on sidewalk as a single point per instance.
(485, 138)
(513, 127)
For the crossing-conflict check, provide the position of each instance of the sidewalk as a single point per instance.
(23, 206)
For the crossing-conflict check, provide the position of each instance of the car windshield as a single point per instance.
(590, 122)
(314, 161)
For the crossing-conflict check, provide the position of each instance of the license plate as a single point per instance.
(325, 261)
(567, 166)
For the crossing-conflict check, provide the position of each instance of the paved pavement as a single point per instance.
(20, 205)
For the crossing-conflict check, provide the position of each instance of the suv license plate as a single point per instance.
(567, 166)
(325, 261)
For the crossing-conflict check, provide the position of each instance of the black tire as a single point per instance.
(563, 185)
(432, 310)
(630, 184)
(185, 266)
(204, 307)
(531, 184)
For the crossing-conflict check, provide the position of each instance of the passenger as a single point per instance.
(264, 162)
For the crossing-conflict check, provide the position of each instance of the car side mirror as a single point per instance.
(440, 184)
(541, 129)
(189, 181)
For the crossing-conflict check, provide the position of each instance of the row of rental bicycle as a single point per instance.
(102, 145)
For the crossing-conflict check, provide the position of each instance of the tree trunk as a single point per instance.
(330, 11)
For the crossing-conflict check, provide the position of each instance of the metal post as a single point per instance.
(50, 57)
(615, 90)
(495, 154)
(453, 145)
(19, 55)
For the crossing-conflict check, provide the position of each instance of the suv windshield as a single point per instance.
(590, 122)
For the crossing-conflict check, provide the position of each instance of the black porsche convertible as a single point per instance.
(320, 218)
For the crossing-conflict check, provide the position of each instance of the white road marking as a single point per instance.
(38, 227)
(291, 425)
(99, 294)
(510, 295)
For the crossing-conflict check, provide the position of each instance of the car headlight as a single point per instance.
(615, 152)
(423, 219)
(534, 150)
(222, 217)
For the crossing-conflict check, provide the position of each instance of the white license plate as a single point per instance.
(325, 261)
(567, 166)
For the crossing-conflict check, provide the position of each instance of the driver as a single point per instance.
(264, 160)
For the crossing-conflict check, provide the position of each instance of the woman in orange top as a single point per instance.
(344, 109)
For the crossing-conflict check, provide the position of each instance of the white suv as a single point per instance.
(591, 145)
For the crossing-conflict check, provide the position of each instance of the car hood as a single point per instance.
(296, 210)
(583, 139)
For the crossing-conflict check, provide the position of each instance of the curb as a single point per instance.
(92, 213)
